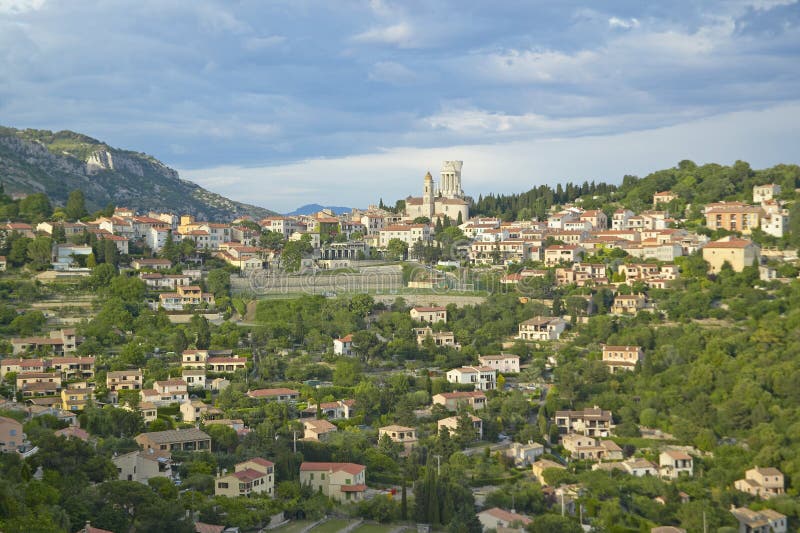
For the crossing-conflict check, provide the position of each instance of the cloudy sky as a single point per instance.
(287, 102)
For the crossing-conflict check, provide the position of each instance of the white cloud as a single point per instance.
(397, 34)
(391, 72)
(625, 24)
(20, 6)
(255, 44)
(513, 166)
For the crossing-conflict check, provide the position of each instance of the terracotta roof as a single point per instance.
(200, 527)
(350, 468)
(732, 243)
(428, 309)
(266, 393)
(507, 516)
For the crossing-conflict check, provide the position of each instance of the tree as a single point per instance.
(397, 249)
(219, 282)
(202, 332)
(550, 523)
(35, 207)
(271, 240)
(294, 251)
(40, 251)
(76, 205)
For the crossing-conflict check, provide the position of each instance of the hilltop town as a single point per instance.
(596, 359)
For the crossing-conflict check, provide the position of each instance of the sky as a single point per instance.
(341, 102)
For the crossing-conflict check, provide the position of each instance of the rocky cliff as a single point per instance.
(57, 163)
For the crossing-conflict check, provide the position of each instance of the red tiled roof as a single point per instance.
(266, 393)
(350, 468)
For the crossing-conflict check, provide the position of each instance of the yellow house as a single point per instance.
(254, 476)
(739, 253)
(75, 399)
(343, 482)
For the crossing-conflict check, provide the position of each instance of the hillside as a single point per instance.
(694, 184)
(310, 209)
(57, 163)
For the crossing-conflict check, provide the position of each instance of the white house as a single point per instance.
(343, 346)
(504, 363)
(482, 377)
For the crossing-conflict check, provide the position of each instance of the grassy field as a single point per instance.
(374, 528)
(295, 526)
(331, 526)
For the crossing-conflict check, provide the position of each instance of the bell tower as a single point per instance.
(428, 205)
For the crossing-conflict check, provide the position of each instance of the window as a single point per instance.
(222, 485)
(322, 477)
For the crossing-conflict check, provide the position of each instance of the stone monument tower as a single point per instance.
(450, 183)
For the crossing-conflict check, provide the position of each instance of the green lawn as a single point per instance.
(295, 526)
(331, 526)
(374, 528)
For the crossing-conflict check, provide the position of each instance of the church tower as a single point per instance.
(450, 184)
(428, 202)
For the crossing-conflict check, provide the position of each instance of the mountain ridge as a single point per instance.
(56, 163)
(310, 209)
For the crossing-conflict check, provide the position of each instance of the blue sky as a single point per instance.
(282, 103)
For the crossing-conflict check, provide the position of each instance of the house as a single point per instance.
(196, 410)
(541, 465)
(496, 519)
(88, 528)
(317, 429)
(453, 400)
(186, 296)
(400, 434)
(541, 329)
(739, 253)
(764, 193)
(622, 357)
(59, 342)
(226, 364)
(592, 422)
(440, 338)
(596, 218)
(673, 463)
(195, 379)
(18, 366)
(151, 264)
(451, 425)
(764, 483)
(503, 363)
(187, 440)
(733, 216)
(278, 395)
(124, 380)
(639, 467)
(342, 482)
(619, 220)
(149, 411)
(564, 253)
(589, 448)
(628, 304)
(11, 435)
(73, 432)
(338, 410)
(140, 466)
(343, 346)
(75, 399)
(483, 378)
(525, 454)
(254, 476)
(194, 359)
(431, 315)
(763, 521)
(663, 197)
(73, 367)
